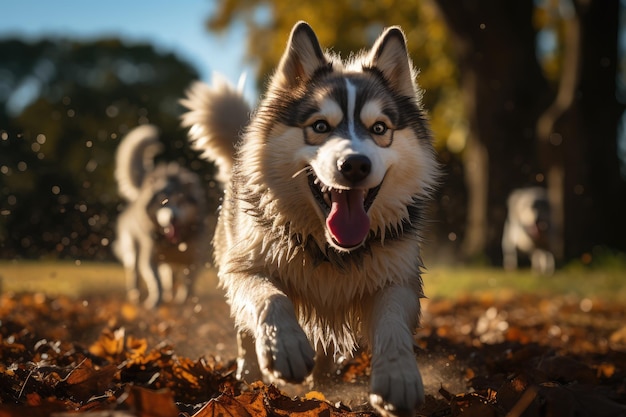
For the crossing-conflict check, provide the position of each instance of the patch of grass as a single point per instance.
(76, 278)
(51, 277)
(599, 282)
(602, 282)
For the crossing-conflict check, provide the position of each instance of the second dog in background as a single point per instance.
(161, 232)
(527, 230)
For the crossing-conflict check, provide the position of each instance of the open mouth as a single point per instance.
(168, 223)
(345, 209)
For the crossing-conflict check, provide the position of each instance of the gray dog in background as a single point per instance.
(527, 230)
(160, 233)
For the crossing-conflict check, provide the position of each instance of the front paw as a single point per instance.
(396, 385)
(284, 352)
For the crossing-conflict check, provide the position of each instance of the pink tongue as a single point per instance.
(171, 233)
(347, 222)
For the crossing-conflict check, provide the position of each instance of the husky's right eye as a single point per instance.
(379, 128)
(320, 126)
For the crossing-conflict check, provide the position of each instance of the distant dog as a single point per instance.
(318, 240)
(527, 230)
(160, 234)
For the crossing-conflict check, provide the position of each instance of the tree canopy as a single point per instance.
(518, 93)
(64, 106)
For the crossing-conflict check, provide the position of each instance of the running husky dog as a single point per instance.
(160, 234)
(318, 240)
(527, 230)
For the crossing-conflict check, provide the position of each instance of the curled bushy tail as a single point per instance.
(135, 158)
(216, 117)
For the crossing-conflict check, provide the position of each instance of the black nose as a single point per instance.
(356, 167)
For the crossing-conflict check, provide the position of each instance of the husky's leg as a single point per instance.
(283, 350)
(509, 249)
(125, 248)
(166, 276)
(131, 266)
(550, 263)
(132, 278)
(150, 274)
(396, 384)
(186, 278)
(542, 262)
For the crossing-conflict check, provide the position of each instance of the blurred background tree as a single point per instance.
(64, 106)
(520, 93)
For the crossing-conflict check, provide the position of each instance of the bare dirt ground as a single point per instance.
(508, 355)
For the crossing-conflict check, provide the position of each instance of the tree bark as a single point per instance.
(578, 136)
(505, 91)
(551, 145)
(605, 197)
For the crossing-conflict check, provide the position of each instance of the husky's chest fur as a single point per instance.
(331, 291)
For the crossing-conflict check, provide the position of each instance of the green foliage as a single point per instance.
(347, 26)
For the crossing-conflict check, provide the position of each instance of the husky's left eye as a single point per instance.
(379, 128)
(320, 126)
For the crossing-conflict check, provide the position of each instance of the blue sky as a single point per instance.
(173, 26)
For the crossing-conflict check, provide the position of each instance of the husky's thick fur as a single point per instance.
(160, 233)
(318, 240)
(528, 230)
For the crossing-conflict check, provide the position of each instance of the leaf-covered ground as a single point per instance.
(508, 356)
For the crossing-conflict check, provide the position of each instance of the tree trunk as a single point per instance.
(578, 136)
(551, 144)
(476, 168)
(601, 112)
(505, 89)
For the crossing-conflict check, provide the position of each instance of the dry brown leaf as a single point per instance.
(250, 404)
(42, 374)
(85, 380)
(110, 345)
(355, 367)
(606, 370)
(148, 403)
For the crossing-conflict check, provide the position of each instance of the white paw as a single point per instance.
(396, 385)
(284, 351)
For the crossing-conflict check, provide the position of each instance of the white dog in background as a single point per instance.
(527, 230)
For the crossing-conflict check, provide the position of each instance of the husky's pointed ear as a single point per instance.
(390, 55)
(301, 59)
